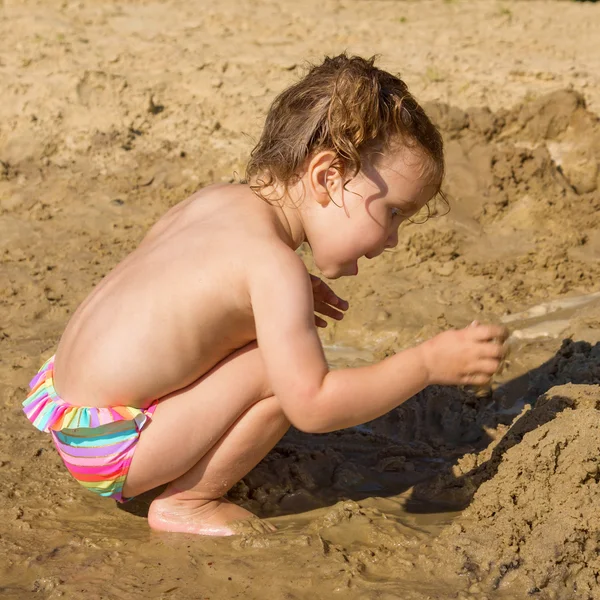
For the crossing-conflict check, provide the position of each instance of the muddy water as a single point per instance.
(356, 513)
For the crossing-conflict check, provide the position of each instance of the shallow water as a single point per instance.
(348, 521)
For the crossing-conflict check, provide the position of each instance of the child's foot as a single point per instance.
(204, 517)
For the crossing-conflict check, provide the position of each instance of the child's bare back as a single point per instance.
(174, 308)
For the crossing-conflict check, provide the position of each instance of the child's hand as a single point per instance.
(325, 301)
(467, 356)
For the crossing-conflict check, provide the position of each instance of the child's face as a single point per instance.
(369, 212)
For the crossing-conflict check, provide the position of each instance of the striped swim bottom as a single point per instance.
(96, 444)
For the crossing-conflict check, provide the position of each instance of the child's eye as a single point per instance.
(395, 212)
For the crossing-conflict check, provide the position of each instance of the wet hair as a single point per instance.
(346, 105)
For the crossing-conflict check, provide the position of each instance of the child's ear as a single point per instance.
(323, 178)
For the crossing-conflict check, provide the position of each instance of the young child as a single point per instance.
(189, 361)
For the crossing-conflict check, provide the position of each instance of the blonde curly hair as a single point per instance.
(346, 105)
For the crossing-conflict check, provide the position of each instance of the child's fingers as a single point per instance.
(320, 322)
(487, 366)
(326, 294)
(340, 303)
(328, 311)
(475, 379)
(483, 333)
(329, 296)
(493, 350)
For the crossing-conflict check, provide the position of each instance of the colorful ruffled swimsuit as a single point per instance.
(96, 444)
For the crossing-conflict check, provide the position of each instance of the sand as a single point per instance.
(536, 496)
(113, 112)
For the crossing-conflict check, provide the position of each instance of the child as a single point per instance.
(189, 361)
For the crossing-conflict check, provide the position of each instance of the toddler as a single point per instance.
(189, 361)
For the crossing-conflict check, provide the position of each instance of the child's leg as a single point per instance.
(203, 439)
(193, 503)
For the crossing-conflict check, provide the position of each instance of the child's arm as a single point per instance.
(317, 400)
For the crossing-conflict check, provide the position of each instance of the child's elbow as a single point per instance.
(309, 420)
(310, 426)
(306, 408)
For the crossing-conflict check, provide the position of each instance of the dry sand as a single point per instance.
(112, 112)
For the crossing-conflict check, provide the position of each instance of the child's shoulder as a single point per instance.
(235, 203)
(219, 210)
(246, 225)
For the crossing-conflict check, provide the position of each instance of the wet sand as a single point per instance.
(112, 112)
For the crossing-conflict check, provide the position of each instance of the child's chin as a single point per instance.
(337, 271)
(346, 271)
(331, 273)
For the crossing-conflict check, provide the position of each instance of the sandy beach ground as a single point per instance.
(112, 112)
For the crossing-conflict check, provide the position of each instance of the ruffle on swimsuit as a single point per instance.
(47, 411)
(96, 444)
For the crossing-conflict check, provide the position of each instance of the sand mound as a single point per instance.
(535, 525)
(574, 363)
(523, 179)
(550, 143)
